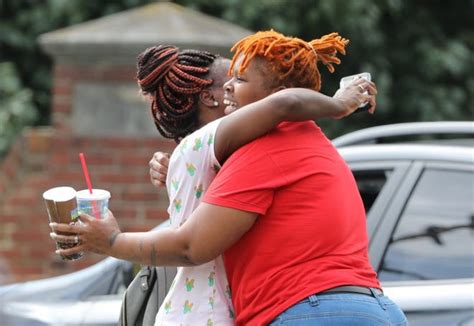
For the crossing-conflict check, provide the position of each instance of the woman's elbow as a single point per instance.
(196, 255)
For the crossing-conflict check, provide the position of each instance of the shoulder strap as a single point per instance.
(136, 297)
(163, 279)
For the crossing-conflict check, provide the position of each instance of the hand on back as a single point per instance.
(159, 169)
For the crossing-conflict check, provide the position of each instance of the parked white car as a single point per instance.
(419, 199)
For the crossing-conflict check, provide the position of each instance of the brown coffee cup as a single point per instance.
(61, 205)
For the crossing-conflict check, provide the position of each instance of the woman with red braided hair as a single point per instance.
(174, 80)
(270, 211)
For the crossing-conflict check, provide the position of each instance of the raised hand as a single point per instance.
(360, 91)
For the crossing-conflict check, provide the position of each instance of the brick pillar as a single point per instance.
(67, 76)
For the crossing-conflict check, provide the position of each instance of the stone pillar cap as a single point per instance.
(127, 33)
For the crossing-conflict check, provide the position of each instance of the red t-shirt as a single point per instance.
(311, 232)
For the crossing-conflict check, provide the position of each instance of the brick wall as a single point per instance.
(46, 157)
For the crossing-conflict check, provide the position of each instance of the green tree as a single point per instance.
(419, 52)
(21, 22)
(16, 104)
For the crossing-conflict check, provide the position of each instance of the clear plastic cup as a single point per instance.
(95, 204)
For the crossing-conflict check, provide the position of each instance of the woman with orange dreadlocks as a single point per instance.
(269, 210)
(302, 258)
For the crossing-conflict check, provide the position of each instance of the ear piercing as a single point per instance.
(215, 103)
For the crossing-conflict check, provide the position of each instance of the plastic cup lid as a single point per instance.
(60, 194)
(97, 194)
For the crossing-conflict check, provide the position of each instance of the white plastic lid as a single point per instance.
(60, 194)
(97, 194)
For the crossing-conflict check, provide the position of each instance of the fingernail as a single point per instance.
(57, 251)
(51, 234)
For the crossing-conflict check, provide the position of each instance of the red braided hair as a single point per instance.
(174, 78)
(293, 60)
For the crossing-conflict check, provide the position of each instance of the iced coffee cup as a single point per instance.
(61, 205)
(95, 204)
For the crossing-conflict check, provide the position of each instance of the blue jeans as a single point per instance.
(342, 309)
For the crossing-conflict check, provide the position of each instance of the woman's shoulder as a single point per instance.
(198, 144)
(207, 129)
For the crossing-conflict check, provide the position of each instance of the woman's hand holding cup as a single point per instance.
(92, 234)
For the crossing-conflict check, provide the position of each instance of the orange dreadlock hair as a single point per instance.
(174, 79)
(293, 60)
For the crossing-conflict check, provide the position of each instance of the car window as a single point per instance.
(435, 234)
(370, 184)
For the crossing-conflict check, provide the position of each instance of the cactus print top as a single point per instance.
(199, 295)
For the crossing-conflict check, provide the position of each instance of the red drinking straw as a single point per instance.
(89, 184)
